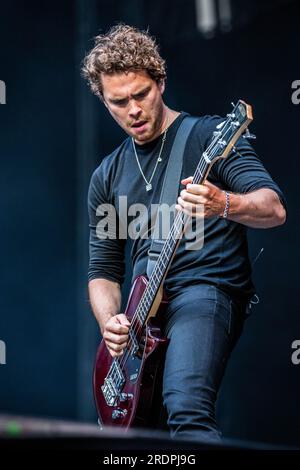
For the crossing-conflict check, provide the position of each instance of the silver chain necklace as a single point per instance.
(159, 159)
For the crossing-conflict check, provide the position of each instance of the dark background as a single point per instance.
(53, 133)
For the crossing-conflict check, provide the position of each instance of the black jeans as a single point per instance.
(203, 324)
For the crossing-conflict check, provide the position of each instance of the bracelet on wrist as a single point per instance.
(227, 205)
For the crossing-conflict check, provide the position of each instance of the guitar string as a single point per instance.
(178, 225)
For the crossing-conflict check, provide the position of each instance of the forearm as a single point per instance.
(258, 209)
(105, 298)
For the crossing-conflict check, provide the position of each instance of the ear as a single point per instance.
(161, 85)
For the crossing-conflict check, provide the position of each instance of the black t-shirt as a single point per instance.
(223, 259)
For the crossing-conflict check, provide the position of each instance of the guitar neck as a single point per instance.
(168, 251)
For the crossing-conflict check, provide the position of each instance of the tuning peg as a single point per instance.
(219, 126)
(248, 135)
(222, 143)
(232, 104)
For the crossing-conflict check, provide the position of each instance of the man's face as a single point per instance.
(135, 101)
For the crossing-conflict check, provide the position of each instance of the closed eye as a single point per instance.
(138, 96)
(119, 102)
(141, 95)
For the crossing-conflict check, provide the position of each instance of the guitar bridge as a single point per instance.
(113, 384)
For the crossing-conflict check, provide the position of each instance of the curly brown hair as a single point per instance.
(121, 49)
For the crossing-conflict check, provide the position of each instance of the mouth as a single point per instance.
(139, 125)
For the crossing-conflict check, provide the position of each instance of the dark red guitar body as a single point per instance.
(140, 400)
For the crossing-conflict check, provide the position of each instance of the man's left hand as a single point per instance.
(201, 200)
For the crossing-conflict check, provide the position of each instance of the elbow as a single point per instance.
(279, 215)
(278, 211)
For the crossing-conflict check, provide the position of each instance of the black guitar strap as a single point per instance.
(169, 192)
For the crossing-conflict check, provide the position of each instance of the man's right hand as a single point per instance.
(115, 334)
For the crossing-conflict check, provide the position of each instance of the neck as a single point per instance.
(169, 116)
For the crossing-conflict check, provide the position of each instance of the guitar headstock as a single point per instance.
(228, 132)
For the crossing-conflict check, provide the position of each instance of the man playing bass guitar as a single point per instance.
(208, 289)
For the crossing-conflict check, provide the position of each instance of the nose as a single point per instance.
(134, 110)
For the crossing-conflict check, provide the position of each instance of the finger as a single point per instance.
(187, 180)
(183, 206)
(199, 189)
(117, 328)
(186, 206)
(188, 212)
(114, 338)
(191, 203)
(191, 209)
(123, 319)
(194, 198)
(115, 347)
(115, 353)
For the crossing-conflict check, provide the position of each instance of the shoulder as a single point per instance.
(109, 164)
(204, 128)
(207, 124)
(103, 176)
